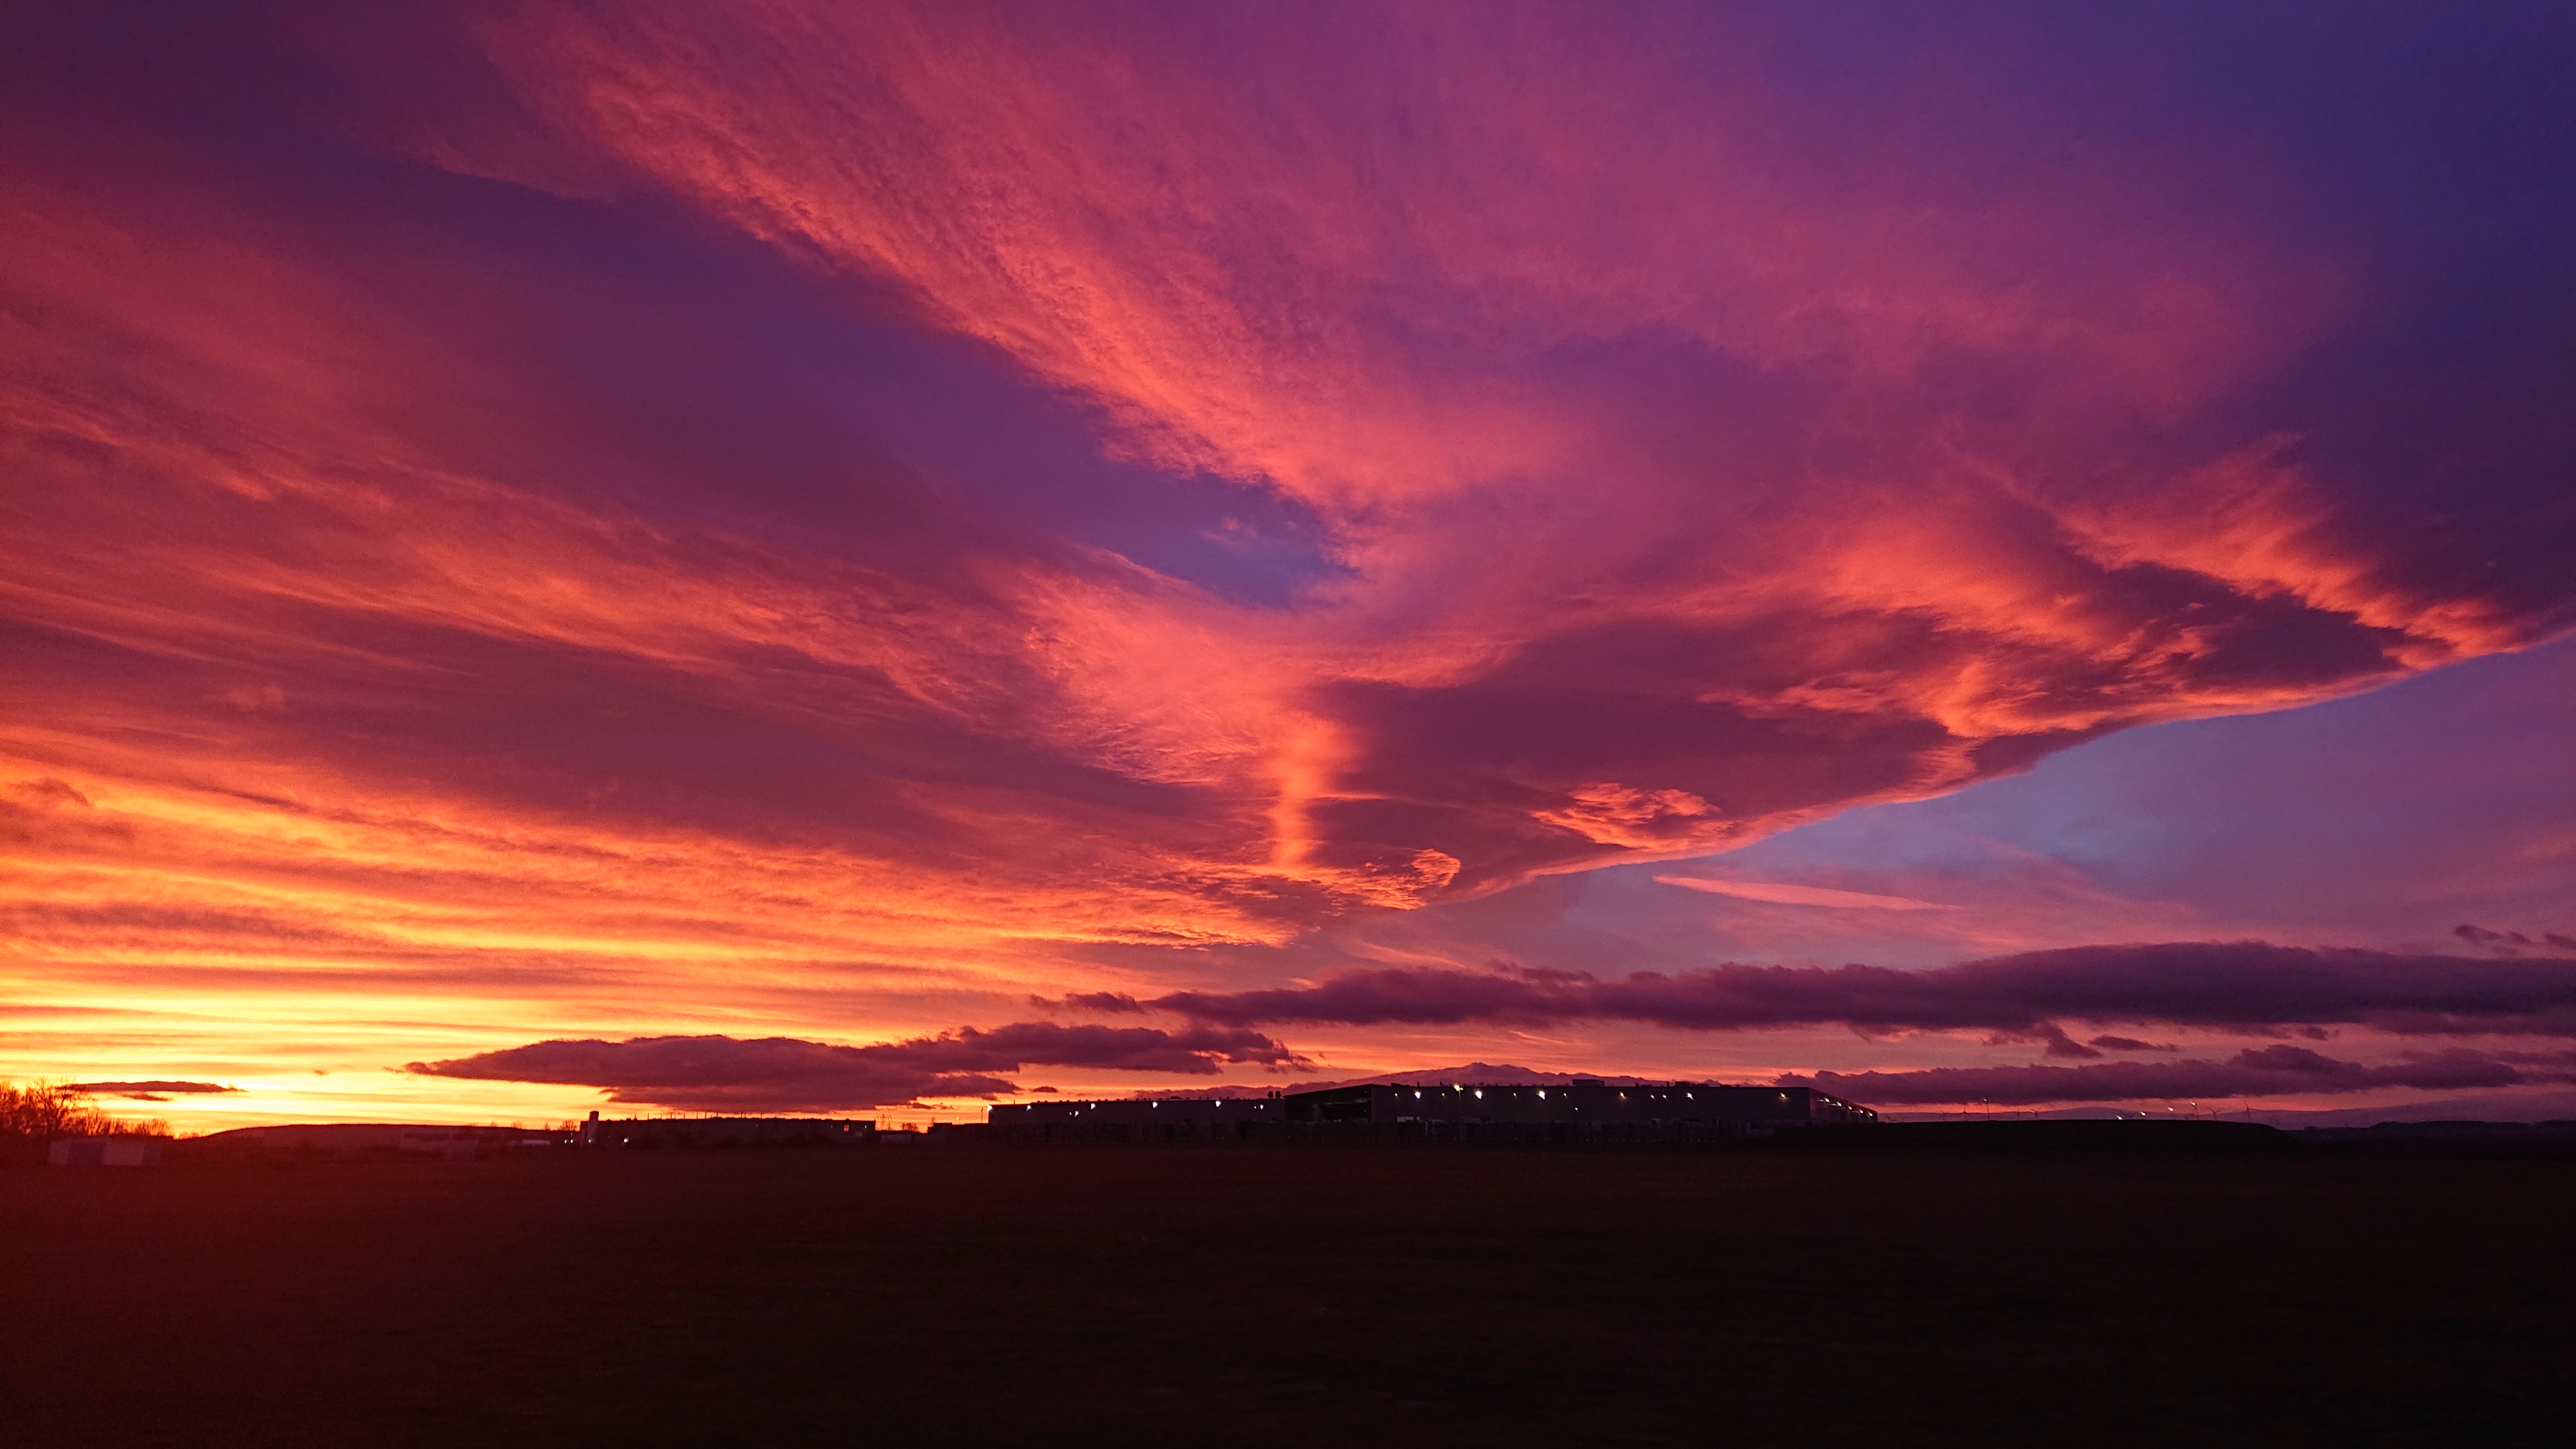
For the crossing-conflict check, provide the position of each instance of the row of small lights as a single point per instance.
(1479, 1093)
(1417, 1096)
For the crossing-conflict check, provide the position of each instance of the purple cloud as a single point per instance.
(2232, 986)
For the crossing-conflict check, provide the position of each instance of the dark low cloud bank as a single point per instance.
(2246, 986)
(775, 1074)
(2272, 1071)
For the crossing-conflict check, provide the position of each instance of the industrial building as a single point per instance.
(1586, 1109)
(1586, 1102)
(691, 1132)
(1174, 1119)
(374, 1139)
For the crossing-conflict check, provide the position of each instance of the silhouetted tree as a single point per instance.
(41, 1112)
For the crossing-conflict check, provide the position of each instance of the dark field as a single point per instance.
(930, 1294)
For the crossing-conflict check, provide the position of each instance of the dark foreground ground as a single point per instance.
(921, 1294)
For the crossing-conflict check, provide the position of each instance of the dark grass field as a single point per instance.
(932, 1294)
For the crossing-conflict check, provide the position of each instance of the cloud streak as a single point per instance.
(153, 1091)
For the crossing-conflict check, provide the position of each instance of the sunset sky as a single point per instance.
(828, 557)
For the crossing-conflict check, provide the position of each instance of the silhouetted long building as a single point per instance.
(726, 1132)
(1166, 1120)
(1584, 1103)
(1586, 1110)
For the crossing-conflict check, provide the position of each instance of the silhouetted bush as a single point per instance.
(36, 1113)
